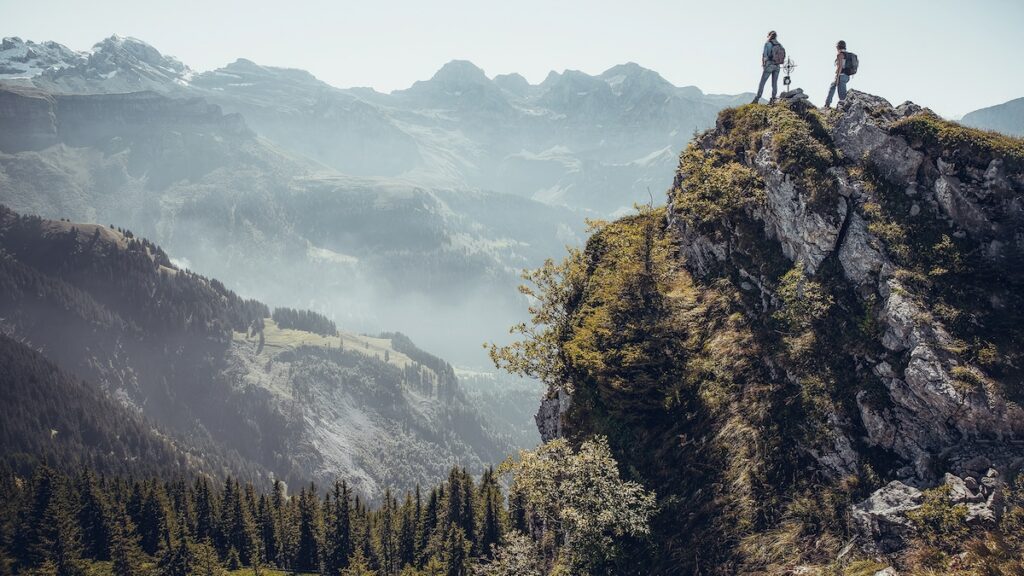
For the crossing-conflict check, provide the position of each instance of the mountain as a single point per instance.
(118, 65)
(458, 130)
(175, 371)
(1007, 118)
(813, 353)
(22, 60)
(225, 201)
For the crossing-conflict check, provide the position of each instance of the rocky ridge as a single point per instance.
(837, 301)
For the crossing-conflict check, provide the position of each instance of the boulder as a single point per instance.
(881, 519)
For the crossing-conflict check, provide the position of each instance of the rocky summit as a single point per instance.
(813, 354)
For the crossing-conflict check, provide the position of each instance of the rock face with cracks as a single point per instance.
(840, 312)
(928, 413)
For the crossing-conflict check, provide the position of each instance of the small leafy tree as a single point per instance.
(579, 503)
(517, 557)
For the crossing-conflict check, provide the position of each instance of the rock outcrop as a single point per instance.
(939, 403)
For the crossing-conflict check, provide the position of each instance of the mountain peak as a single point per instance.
(25, 58)
(460, 71)
(126, 50)
(634, 77)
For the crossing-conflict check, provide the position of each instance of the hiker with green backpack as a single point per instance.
(846, 66)
(772, 57)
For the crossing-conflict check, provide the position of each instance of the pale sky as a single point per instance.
(953, 56)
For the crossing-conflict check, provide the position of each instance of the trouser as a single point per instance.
(773, 71)
(839, 83)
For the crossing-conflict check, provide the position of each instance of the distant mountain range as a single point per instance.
(1007, 118)
(592, 142)
(409, 210)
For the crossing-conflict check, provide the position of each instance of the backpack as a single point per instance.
(851, 64)
(778, 54)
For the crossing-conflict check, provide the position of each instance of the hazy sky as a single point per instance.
(954, 56)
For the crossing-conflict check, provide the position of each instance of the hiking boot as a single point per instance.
(772, 101)
(755, 101)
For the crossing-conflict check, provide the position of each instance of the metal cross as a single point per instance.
(788, 67)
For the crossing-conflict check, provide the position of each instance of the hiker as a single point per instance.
(846, 66)
(772, 56)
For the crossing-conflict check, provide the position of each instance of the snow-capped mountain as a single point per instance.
(116, 64)
(26, 59)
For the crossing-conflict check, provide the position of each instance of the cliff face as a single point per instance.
(893, 186)
(34, 120)
(825, 321)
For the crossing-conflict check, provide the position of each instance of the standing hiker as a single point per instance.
(772, 56)
(846, 66)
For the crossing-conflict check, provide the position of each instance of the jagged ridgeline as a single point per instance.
(118, 360)
(831, 303)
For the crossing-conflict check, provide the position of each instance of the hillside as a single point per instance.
(181, 373)
(812, 355)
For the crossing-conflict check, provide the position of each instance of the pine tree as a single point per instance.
(205, 561)
(93, 518)
(407, 532)
(239, 532)
(456, 550)
(286, 534)
(47, 534)
(387, 541)
(307, 556)
(269, 531)
(358, 566)
(206, 512)
(469, 511)
(124, 547)
(517, 511)
(340, 532)
(176, 559)
(155, 527)
(428, 525)
(491, 523)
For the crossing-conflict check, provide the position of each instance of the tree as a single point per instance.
(387, 541)
(155, 524)
(239, 532)
(206, 511)
(407, 531)
(428, 524)
(307, 556)
(269, 531)
(124, 547)
(516, 557)
(205, 561)
(339, 539)
(177, 559)
(47, 534)
(579, 496)
(491, 521)
(357, 566)
(93, 518)
(456, 551)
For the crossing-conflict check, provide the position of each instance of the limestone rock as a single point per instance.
(549, 414)
(881, 518)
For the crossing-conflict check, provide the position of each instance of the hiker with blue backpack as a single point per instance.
(772, 57)
(846, 66)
